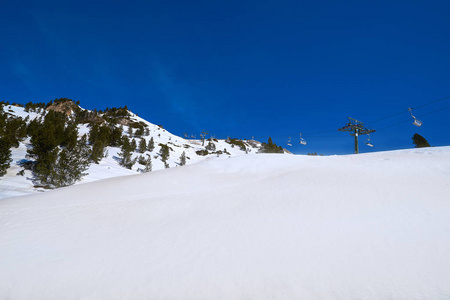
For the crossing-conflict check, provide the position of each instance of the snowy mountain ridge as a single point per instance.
(16, 183)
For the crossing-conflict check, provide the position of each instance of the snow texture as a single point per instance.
(370, 226)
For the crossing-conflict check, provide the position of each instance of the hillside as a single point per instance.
(20, 180)
(372, 226)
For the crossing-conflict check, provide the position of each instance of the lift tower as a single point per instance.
(356, 128)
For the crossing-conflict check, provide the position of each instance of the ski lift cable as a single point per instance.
(429, 113)
(434, 111)
(319, 133)
(402, 112)
(387, 117)
(312, 134)
(432, 102)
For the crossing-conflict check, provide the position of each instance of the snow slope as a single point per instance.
(369, 226)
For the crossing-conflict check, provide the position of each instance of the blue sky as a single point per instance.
(240, 68)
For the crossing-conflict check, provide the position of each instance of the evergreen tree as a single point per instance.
(59, 157)
(183, 159)
(147, 131)
(211, 146)
(148, 164)
(126, 153)
(139, 132)
(43, 168)
(270, 147)
(142, 146)
(43, 151)
(133, 144)
(33, 127)
(151, 145)
(3, 118)
(98, 151)
(116, 136)
(420, 141)
(165, 152)
(99, 136)
(70, 136)
(71, 163)
(141, 160)
(5, 156)
(12, 129)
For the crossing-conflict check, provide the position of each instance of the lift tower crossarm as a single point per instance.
(356, 128)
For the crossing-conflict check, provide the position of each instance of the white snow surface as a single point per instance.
(369, 226)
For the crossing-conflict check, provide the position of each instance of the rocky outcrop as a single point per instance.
(66, 107)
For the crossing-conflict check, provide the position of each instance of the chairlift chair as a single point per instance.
(368, 141)
(302, 141)
(289, 142)
(416, 122)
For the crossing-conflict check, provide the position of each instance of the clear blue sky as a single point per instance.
(239, 68)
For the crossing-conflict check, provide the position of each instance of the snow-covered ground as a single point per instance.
(369, 226)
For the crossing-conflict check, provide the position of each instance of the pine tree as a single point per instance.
(133, 144)
(141, 160)
(420, 141)
(5, 156)
(148, 164)
(126, 154)
(116, 136)
(44, 150)
(151, 145)
(70, 136)
(59, 158)
(211, 146)
(139, 132)
(270, 147)
(43, 168)
(12, 129)
(71, 164)
(142, 146)
(99, 137)
(183, 159)
(98, 151)
(165, 152)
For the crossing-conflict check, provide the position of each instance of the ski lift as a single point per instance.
(368, 141)
(289, 142)
(416, 122)
(302, 141)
